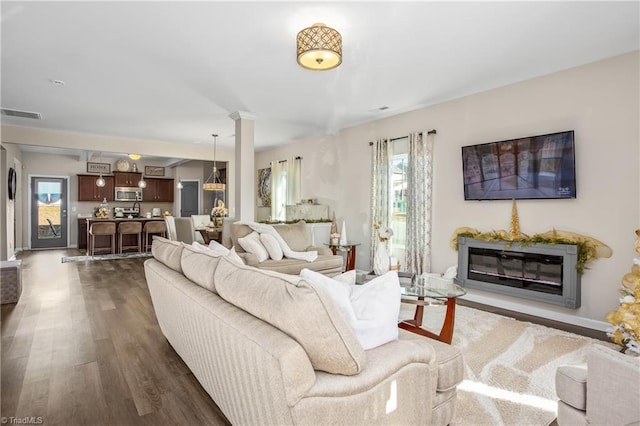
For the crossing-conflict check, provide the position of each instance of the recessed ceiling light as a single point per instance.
(57, 82)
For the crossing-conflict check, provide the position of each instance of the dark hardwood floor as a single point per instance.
(82, 347)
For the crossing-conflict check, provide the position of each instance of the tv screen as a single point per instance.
(525, 168)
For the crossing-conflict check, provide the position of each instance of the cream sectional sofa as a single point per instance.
(297, 237)
(604, 391)
(272, 348)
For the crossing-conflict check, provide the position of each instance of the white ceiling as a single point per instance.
(174, 71)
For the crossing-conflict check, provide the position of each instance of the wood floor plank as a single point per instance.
(12, 379)
(33, 399)
(83, 347)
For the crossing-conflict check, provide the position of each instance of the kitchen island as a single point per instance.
(103, 242)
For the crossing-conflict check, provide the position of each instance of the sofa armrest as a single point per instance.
(322, 251)
(613, 386)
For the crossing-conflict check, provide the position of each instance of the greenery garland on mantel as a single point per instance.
(588, 248)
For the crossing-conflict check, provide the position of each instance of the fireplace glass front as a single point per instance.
(530, 271)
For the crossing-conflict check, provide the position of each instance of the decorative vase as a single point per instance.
(343, 235)
(381, 259)
(217, 221)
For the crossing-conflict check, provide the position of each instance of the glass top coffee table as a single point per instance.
(415, 294)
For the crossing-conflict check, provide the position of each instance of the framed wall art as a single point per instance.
(264, 187)
(153, 171)
(98, 167)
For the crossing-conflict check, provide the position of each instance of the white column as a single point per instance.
(245, 168)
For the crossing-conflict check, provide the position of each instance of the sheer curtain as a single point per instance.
(285, 186)
(419, 179)
(380, 178)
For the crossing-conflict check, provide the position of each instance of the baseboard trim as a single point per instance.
(541, 316)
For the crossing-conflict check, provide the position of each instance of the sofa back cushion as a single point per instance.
(167, 252)
(239, 231)
(297, 308)
(295, 235)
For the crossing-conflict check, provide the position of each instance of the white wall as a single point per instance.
(599, 101)
(11, 215)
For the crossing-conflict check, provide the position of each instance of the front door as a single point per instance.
(189, 198)
(48, 212)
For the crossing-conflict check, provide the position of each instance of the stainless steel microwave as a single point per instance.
(126, 193)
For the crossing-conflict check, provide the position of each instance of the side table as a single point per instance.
(350, 248)
(210, 233)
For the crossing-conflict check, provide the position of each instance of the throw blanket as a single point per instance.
(263, 228)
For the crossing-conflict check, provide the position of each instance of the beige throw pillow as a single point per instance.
(299, 309)
(167, 252)
(271, 244)
(199, 266)
(251, 244)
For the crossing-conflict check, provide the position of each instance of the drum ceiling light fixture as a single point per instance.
(319, 48)
(213, 182)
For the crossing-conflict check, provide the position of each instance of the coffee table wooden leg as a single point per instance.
(446, 333)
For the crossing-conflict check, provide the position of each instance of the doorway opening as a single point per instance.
(190, 198)
(48, 212)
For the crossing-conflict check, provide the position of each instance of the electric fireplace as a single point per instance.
(542, 272)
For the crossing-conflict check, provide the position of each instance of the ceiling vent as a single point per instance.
(21, 114)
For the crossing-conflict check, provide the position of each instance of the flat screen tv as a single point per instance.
(526, 168)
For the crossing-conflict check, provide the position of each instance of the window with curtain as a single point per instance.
(285, 186)
(399, 187)
(402, 174)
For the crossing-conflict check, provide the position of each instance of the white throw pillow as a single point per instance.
(209, 249)
(376, 304)
(251, 244)
(217, 247)
(233, 256)
(218, 250)
(273, 247)
(370, 309)
(348, 277)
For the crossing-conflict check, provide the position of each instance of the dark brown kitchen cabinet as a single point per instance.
(127, 178)
(82, 234)
(89, 191)
(158, 190)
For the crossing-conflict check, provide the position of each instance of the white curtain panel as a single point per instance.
(294, 178)
(419, 183)
(380, 187)
(285, 186)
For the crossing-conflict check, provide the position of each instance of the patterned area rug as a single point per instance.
(510, 366)
(67, 259)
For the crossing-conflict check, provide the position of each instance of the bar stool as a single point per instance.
(154, 227)
(129, 228)
(102, 228)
